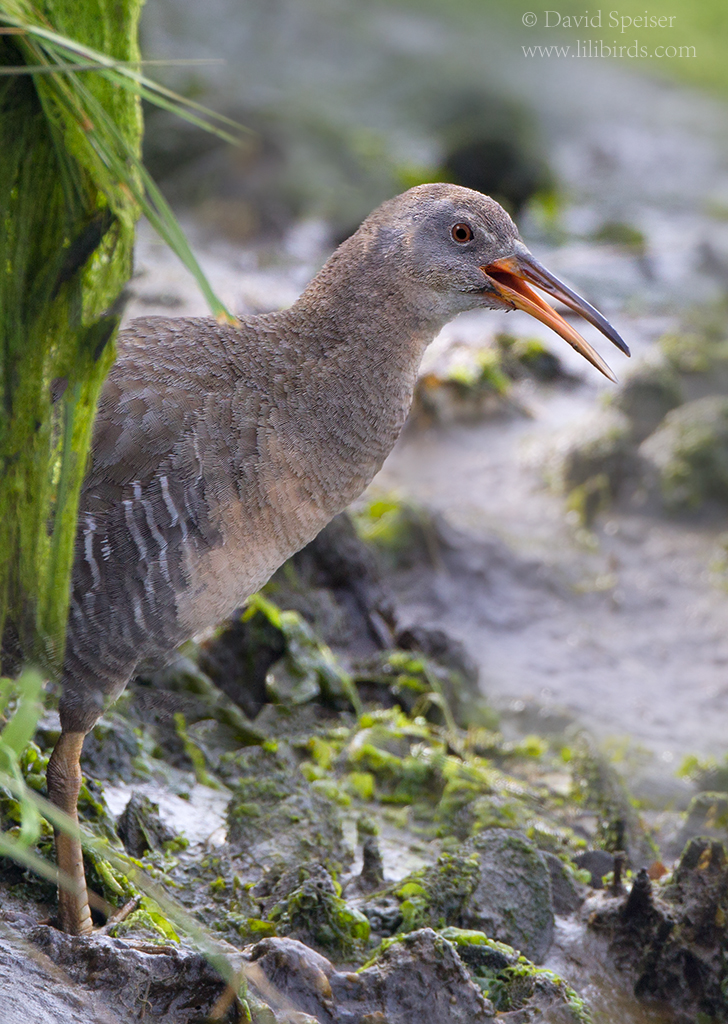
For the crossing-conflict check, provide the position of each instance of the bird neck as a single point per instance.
(366, 310)
(355, 340)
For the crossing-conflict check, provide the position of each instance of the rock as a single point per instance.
(598, 863)
(290, 975)
(512, 900)
(174, 985)
(707, 815)
(418, 977)
(305, 904)
(567, 895)
(276, 817)
(372, 869)
(421, 978)
(646, 395)
(140, 828)
(238, 657)
(602, 450)
(686, 458)
(33, 992)
(671, 938)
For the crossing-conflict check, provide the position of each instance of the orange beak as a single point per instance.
(509, 277)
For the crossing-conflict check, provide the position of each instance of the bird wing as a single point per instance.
(173, 403)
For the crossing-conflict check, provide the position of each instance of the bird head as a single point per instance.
(460, 250)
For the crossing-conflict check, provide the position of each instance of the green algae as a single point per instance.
(505, 977)
(146, 921)
(194, 753)
(308, 668)
(313, 908)
(616, 232)
(436, 896)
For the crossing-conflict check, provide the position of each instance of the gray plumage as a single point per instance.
(219, 451)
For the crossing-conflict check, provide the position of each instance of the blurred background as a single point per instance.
(575, 533)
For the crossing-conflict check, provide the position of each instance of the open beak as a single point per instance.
(509, 277)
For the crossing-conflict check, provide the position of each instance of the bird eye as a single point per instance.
(462, 232)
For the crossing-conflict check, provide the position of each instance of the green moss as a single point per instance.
(360, 784)
(308, 669)
(625, 235)
(315, 909)
(148, 921)
(589, 499)
(194, 753)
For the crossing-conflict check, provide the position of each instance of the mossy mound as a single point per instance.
(688, 454)
(305, 903)
(648, 393)
(596, 462)
(511, 982)
(498, 884)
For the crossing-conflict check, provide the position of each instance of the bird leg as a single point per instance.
(64, 784)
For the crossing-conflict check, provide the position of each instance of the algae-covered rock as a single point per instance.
(700, 357)
(306, 904)
(420, 977)
(520, 991)
(646, 395)
(567, 893)
(529, 357)
(512, 900)
(490, 144)
(439, 895)
(626, 236)
(498, 883)
(140, 827)
(686, 458)
(464, 384)
(603, 447)
(238, 657)
(671, 937)
(417, 978)
(597, 864)
(707, 815)
(276, 816)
